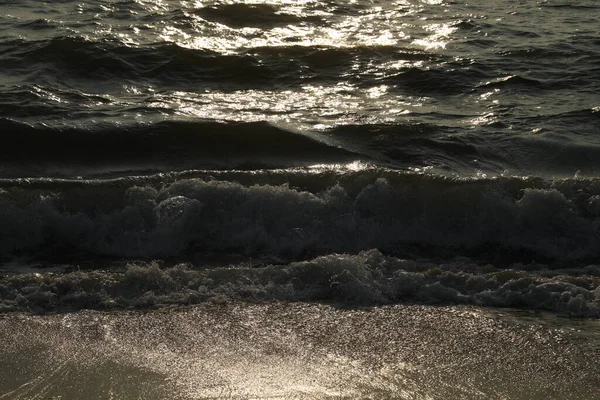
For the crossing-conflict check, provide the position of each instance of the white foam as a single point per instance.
(281, 220)
(367, 278)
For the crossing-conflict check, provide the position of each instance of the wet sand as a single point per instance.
(227, 350)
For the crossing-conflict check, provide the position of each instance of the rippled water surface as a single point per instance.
(363, 152)
(495, 88)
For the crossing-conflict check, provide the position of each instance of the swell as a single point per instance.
(32, 101)
(441, 79)
(459, 78)
(588, 115)
(292, 215)
(562, 144)
(571, 132)
(164, 144)
(582, 7)
(37, 24)
(408, 144)
(75, 59)
(513, 81)
(170, 64)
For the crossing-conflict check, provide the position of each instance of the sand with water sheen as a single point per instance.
(230, 350)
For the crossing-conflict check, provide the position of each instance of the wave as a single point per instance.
(79, 143)
(263, 16)
(323, 63)
(368, 278)
(304, 213)
(549, 53)
(405, 145)
(38, 24)
(513, 81)
(162, 145)
(580, 116)
(82, 60)
(466, 76)
(76, 57)
(31, 101)
(582, 7)
(441, 80)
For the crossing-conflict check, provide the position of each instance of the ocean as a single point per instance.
(300, 199)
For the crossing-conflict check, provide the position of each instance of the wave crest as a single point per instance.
(502, 221)
(367, 278)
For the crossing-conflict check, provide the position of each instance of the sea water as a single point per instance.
(156, 155)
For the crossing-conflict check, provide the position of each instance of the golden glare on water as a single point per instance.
(337, 105)
(294, 351)
(309, 65)
(440, 35)
(360, 26)
(318, 38)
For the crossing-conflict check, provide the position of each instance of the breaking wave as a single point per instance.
(368, 278)
(160, 146)
(303, 213)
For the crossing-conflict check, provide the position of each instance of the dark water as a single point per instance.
(162, 152)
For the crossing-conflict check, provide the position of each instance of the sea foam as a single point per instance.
(519, 219)
(367, 278)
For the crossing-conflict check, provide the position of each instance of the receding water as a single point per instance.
(299, 351)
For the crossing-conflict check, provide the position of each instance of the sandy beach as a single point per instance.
(230, 350)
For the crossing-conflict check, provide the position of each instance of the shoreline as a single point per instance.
(237, 350)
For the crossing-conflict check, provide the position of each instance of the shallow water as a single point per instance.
(301, 351)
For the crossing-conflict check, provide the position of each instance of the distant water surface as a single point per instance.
(462, 89)
(362, 152)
